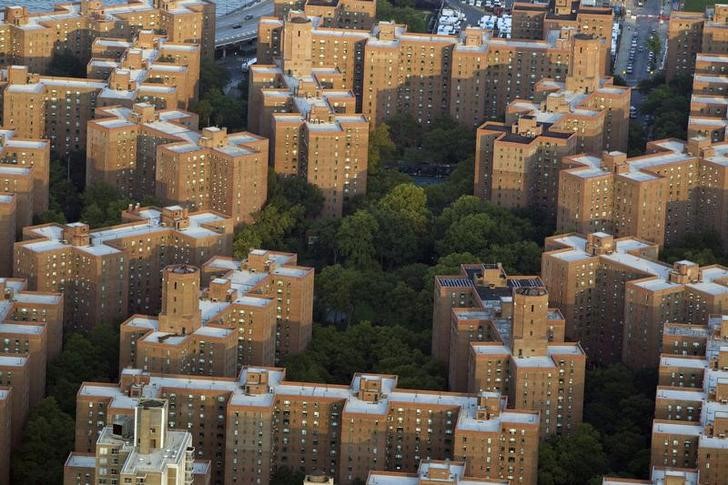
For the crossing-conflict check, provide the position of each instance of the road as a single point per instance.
(642, 21)
(225, 33)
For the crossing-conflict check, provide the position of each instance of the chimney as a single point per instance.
(614, 161)
(77, 234)
(176, 217)
(473, 37)
(146, 39)
(213, 137)
(219, 289)
(684, 272)
(256, 382)
(489, 405)
(17, 74)
(120, 80)
(387, 31)
(143, 113)
(370, 389)
(697, 144)
(599, 243)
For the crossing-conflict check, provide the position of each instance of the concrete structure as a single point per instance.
(149, 69)
(217, 331)
(472, 77)
(691, 414)
(32, 39)
(314, 128)
(139, 449)
(616, 296)
(260, 421)
(15, 374)
(497, 334)
(107, 274)
(709, 101)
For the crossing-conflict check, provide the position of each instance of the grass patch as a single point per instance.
(698, 5)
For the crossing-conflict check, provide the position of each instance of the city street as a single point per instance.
(644, 22)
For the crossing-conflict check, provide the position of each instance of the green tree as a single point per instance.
(573, 459)
(381, 148)
(47, 439)
(102, 205)
(356, 239)
(212, 76)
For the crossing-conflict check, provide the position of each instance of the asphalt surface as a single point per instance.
(226, 30)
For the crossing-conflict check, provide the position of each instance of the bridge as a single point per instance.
(233, 30)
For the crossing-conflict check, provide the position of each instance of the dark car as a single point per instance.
(248, 17)
(237, 26)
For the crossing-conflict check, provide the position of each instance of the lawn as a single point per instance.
(698, 5)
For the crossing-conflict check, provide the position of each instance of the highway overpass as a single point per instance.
(233, 29)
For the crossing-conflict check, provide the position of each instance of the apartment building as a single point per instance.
(214, 170)
(676, 189)
(24, 174)
(59, 109)
(344, 14)
(313, 125)
(33, 38)
(250, 425)
(508, 340)
(6, 423)
(471, 77)
(160, 72)
(693, 33)
(139, 449)
(31, 326)
(107, 274)
(537, 20)
(616, 296)
(517, 162)
(429, 471)
(8, 225)
(709, 100)
(217, 331)
(691, 414)
(269, 276)
(15, 374)
(121, 145)
(659, 476)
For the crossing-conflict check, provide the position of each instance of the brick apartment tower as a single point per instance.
(497, 333)
(259, 422)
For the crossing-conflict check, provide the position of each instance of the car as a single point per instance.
(237, 26)
(248, 17)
